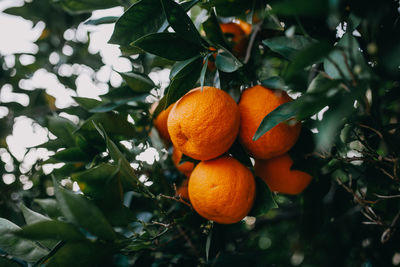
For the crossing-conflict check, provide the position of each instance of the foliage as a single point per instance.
(340, 58)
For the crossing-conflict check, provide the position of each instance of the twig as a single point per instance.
(353, 79)
(256, 29)
(387, 197)
(372, 129)
(177, 199)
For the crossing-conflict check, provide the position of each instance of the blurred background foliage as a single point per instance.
(339, 59)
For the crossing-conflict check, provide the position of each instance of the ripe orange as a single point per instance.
(254, 105)
(204, 124)
(161, 124)
(222, 190)
(186, 167)
(182, 190)
(237, 36)
(246, 27)
(279, 177)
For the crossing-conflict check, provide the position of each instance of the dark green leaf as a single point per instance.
(87, 103)
(140, 19)
(82, 212)
(180, 21)
(86, 6)
(168, 45)
(62, 128)
(138, 82)
(203, 72)
(184, 80)
(301, 8)
(23, 249)
(213, 30)
(227, 62)
(103, 20)
(50, 230)
(4, 262)
(308, 56)
(81, 254)
(32, 216)
(73, 154)
(278, 115)
(288, 46)
(50, 206)
(275, 82)
(264, 200)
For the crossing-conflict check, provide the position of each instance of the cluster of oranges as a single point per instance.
(204, 124)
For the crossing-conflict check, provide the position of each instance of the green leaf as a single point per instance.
(227, 62)
(81, 253)
(115, 124)
(213, 30)
(278, 115)
(20, 248)
(288, 46)
(264, 200)
(82, 212)
(180, 21)
(50, 230)
(231, 8)
(308, 56)
(140, 19)
(316, 8)
(129, 179)
(138, 82)
(50, 206)
(168, 45)
(73, 154)
(32, 216)
(92, 181)
(103, 20)
(239, 153)
(275, 82)
(184, 80)
(87, 103)
(62, 128)
(4, 262)
(208, 244)
(203, 72)
(86, 6)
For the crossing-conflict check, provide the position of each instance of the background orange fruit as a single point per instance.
(254, 105)
(186, 167)
(161, 124)
(222, 190)
(204, 124)
(182, 190)
(279, 177)
(238, 37)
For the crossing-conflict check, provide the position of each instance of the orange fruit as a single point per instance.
(161, 124)
(255, 103)
(186, 167)
(279, 177)
(237, 37)
(182, 190)
(246, 27)
(204, 124)
(222, 190)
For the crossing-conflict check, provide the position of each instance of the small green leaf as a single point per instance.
(82, 212)
(73, 154)
(203, 72)
(288, 46)
(103, 20)
(278, 115)
(142, 18)
(275, 82)
(213, 30)
(138, 82)
(208, 244)
(62, 128)
(168, 45)
(264, 200)
(18, 247)
(227, 62)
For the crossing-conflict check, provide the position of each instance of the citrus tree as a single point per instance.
(294, 123)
